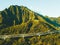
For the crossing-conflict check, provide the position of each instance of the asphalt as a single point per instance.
(29, 34)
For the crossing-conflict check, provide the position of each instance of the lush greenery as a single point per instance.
(20, 19)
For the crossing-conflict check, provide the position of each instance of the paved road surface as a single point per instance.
(29, 35)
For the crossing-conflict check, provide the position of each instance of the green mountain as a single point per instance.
(20, 19)
(57, 20)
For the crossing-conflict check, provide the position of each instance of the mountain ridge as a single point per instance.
(21, 20)
(22, 16)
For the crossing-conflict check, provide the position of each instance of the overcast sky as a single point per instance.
(46, 7)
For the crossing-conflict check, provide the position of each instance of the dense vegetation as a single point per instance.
(20, 19)
(56, 21)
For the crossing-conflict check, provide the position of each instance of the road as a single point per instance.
(29, 34)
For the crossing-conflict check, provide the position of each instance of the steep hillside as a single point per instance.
(57, 20)
(20, 19)
(24, 20)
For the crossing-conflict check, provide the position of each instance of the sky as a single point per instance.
(50, 8)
